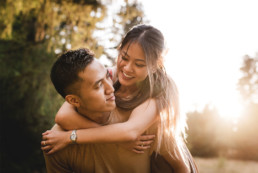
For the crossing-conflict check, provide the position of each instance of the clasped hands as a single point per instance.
(53, 141)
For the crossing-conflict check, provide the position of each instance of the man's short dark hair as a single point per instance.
(64, 73)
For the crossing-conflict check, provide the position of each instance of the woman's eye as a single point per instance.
(124, 58)
(140, 65)
(108, 75)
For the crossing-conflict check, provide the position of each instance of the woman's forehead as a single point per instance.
(133, 50)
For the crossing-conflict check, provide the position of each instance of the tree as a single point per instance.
(246, 136)
(32, 34)
(248, 83)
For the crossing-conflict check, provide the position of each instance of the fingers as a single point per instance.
(46, 148)
(44, 138)
(48, 151)
(144, 143)
(146, 137)
(43, 143)
(141, 147)
(138, 151)
(46, 132)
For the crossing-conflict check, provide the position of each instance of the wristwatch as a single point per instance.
(73, 136)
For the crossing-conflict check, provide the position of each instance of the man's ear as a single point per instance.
(73, 100)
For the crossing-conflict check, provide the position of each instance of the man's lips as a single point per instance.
(112, 98)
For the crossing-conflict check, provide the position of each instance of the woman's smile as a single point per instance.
(127, 76)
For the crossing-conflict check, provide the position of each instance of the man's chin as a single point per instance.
(113, 107)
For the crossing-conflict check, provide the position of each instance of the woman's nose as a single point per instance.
(128, 67)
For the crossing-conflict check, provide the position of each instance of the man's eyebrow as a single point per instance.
(98, 81)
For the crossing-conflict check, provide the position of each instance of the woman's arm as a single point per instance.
(68, 118)
(140, 119)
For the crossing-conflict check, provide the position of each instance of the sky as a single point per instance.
(207, 40)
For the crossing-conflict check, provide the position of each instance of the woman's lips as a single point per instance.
(126, 76)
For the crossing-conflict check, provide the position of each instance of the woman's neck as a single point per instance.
(127, 91)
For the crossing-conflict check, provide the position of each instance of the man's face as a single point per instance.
(96, 94)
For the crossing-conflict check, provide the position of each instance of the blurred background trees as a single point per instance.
(211, 135)
(32, 34)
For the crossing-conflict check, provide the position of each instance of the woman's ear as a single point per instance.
(73, 100)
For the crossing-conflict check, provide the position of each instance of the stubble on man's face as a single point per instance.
(96, 91)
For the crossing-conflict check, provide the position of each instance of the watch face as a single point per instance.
(73, 137)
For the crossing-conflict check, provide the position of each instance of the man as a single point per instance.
(85, 84)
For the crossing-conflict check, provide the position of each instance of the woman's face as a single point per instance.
(131, 65)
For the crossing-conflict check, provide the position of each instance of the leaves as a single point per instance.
(248, 83)
(32, 34)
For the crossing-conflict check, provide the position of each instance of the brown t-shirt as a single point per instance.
(98, 158)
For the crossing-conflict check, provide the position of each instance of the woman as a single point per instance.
(141, 86)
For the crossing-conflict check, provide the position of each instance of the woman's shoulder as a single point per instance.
(148, 105)
(151, 101)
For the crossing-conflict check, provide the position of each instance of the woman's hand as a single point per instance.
(53, 140)
(142, 143)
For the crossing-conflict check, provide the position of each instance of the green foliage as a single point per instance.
(28, 103)
(32, 33)
(129, 15)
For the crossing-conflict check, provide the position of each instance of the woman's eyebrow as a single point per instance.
(140, 60)
(125, 54)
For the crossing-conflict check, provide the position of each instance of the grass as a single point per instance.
(222, 165)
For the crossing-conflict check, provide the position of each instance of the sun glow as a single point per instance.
(207, 41)
(230, 108)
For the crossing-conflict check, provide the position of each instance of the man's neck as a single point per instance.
(98, 117)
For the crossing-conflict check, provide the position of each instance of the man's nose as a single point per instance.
(109, 87)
